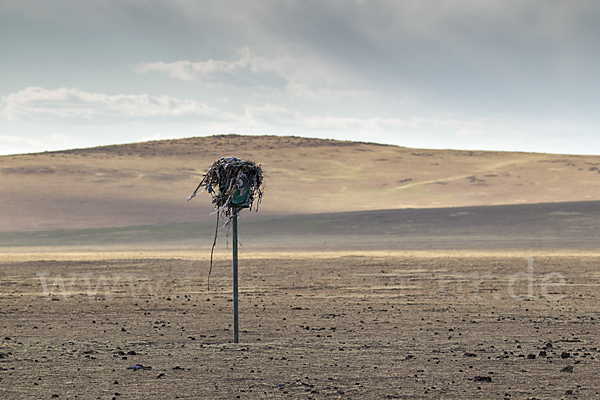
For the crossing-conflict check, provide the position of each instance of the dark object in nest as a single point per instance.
(234, 184)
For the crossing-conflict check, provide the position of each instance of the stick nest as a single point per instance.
(234, 184)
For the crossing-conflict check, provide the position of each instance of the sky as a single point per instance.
(442, 74)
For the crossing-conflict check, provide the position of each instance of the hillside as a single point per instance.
(148, 183)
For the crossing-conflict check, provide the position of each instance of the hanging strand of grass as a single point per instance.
(211, 254)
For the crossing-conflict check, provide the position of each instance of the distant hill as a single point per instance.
(149, 183)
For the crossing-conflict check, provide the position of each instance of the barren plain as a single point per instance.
(353, 325)
(369, 272)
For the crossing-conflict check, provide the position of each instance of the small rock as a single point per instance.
(531, 356)
(137, 367)
(568, 368)
(564, 354)
(482, 379)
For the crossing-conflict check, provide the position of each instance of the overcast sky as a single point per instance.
(463, 74)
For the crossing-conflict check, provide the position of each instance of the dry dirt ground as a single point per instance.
(362, 325)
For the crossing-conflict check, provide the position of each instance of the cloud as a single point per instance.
(453, 55)
(18, 140)
(461, 56)
(38, 104)
(73, 106)
(66, 106)
(298, 73)
(248, 70)
(427, 73)
(11, 144)
(283, 118)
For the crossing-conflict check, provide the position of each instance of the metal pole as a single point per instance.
(235, 282)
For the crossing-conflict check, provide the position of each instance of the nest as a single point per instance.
(234, 184)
